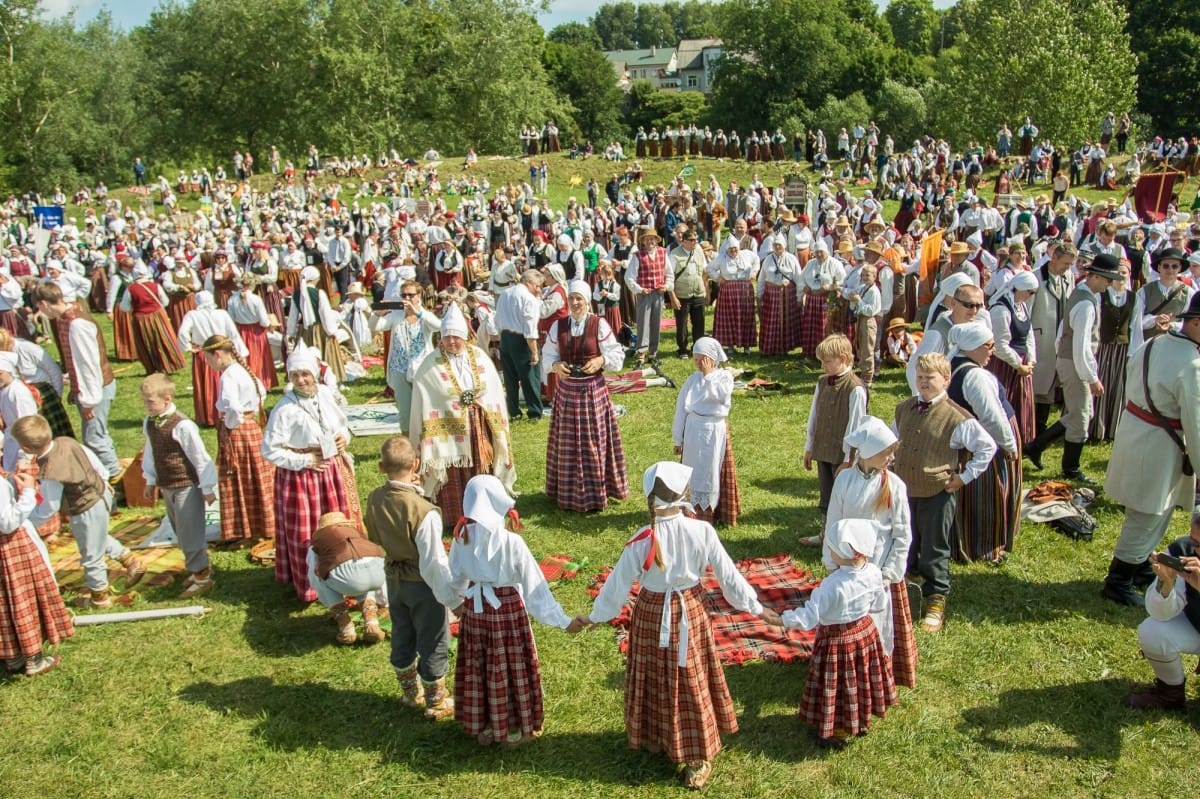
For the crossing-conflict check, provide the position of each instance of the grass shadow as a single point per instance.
(277, 623)
(996, 596)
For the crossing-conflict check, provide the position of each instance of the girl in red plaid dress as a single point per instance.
(676, 699)
(850, 676)
(497, 678)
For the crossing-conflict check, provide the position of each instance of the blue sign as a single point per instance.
(49, 217)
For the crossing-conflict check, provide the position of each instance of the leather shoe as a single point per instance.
(1122, 593)
(1034, 456)
(1077, 476)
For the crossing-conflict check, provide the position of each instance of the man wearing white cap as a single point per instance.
(458, 420)
(16, 400)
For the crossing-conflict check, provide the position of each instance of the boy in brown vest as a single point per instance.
(933, 433)
(175, 462)
(409, 528)
(839, 405)
(74, 482)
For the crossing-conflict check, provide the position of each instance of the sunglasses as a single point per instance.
(972, 306)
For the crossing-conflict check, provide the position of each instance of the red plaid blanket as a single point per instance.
(780, 584)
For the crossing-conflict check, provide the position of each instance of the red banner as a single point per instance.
(1152, 195)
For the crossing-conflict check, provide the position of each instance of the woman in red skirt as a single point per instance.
(123, 346)
(676, 698)
(32, 612)
(181, 283)
(305, 438)
(154, 337)
(734, 271)
(850, 675)
(198, 326)
(245, 481)
(497, 677)
(585, 459)
(249, 313)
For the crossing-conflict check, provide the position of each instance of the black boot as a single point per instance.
(1143, 576)
(1072, 451)
(1041, 417)
(1035, 448)
(1118, 585)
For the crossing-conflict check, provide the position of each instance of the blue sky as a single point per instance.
(131, 13)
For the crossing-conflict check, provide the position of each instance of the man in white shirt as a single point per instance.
(518, 312)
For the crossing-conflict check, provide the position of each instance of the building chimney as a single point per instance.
(653, 50)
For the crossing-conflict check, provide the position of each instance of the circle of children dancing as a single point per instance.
(1014, 324)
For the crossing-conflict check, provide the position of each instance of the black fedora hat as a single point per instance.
(1105, 265)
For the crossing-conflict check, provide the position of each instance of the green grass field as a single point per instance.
(1019, 696)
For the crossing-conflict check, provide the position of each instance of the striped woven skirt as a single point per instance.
(814, 322)
(773, 333)
(123, 343)
(178, 306)
(1020, 395)
(97, 300)
(206, 386)
(985, 518)
(301, 498)
(32, 612)
(729, 503)
(12, 322)
(681, 712)
(497, 676)
(328, 347)
(156, 344)
(246, 483)
(585, 459)
(1106, 409)
(733, 318)
(259, 359)
(849, 679)
(450, 495)
(904, 643)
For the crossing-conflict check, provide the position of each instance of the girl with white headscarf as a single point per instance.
(313, 320)
(734, 270)
(676, 698)
(1015, 355)
(701, 434)
(306, 440)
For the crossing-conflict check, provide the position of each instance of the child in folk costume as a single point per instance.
(31, 609)
(356, 313)
(249, 313)
(865, 302)
(344, 565)
(676, 698)
(408, 526)
(246, 481)
(850, 676)
(199, 325)
(869, 491)
(41, 372)
(899, 344)
(154, 338)
(838, 406)
(497, 679)
(175, 462)
(607, 296)
(74, 482)
(701, 434)
(16, 400)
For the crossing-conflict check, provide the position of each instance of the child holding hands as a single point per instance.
(838, 406)
(701, 433)
(676, 698)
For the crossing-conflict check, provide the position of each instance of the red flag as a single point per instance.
(1152, 195)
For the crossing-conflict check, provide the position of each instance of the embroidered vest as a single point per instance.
(170, 462)
(652, 268)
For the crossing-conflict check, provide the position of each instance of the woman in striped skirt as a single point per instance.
(497, 676)
(245, 481)
(32, 612)
(734, 271)
(154, 337)
(123, 347)
(249, 313)
(701, 434)
(304, 439)
(676, 700)
(1016, 348)
(585, 459)
(820, 279)
(1120, 334)
(181, 283)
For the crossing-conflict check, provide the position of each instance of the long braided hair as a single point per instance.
(219, 343)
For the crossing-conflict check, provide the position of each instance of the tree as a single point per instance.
(835, 114)
(900, 111)
(693, 19)
(1073, 65)
(656, 108)
(654, 27)
(581, 75)
(616, 25)
(912, 23)
(1166, 36)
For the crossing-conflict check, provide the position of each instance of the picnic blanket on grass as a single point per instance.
(740, 637)
(131, 529)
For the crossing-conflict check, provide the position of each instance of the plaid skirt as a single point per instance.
(729, 504)
(31, 609)
(177, 307)
(904, 643)
(300, 500)
(681, 712)
(793, 316)
(245, 483)
(773, 332)
(53, 411)
(585, 460)
(1020, 395)
(156, 344)
(497, 677)
(1106, 409)
(814, 322)
(984, 517)
(613, 317)
(260, 360)
(849, 679)
(733, 318)
(124, 347)
(206, 385)
(10, 321)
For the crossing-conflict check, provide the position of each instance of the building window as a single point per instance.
(693, 81)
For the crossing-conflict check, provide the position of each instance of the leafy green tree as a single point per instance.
(616, 25)
(912, 23)
(693, 19)
(837, 113)
(1166, 36)
(900, 112)
(581, 74)
(654, 27)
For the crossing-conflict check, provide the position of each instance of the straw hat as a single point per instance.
(894, 323)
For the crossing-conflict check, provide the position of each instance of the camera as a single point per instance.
(576, 371)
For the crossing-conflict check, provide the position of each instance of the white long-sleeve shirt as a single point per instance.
(51, 491)
(610, 348)
(199, 324)
(247, 308)
(1083, 319)
(844, 596)
(238, 393)
(496, 559)
(1002, 336)
(971, 436)
(187, 435)
(982, 390)
(302, 423)
(854, 496)
(16, 400)
(36, 366)
(85, 354)
(432, 563)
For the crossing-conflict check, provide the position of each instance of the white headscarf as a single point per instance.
(851, 538)
(1021, 281)
(949, 285)
(205, 301)
(706, 345)
(675, 477)
(302, 359)
(871, 437)
(967, 336)
(453, 321)
(579, 287)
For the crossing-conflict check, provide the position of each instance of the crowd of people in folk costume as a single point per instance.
(505, 308)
